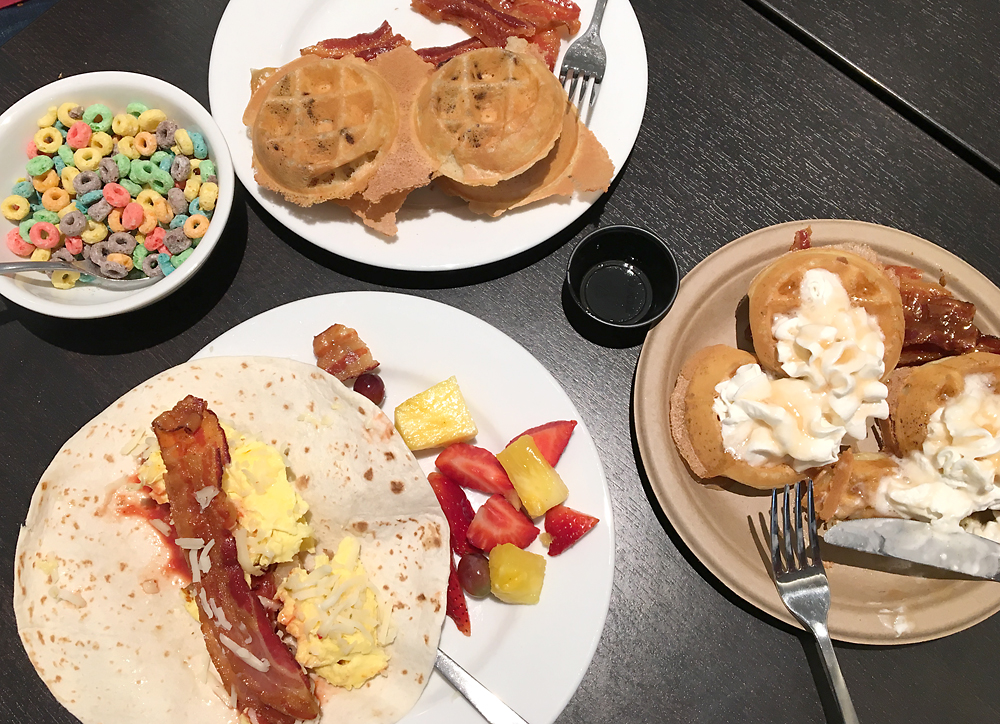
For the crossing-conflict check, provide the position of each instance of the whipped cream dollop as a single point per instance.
(954, 474)
(832, 353)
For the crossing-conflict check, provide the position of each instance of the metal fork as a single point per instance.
(584, 63)
(803, 587)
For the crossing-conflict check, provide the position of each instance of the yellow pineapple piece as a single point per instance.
(536, 482)
(515, 575)
(436, 417)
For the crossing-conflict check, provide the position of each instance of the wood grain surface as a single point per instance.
(744, 128)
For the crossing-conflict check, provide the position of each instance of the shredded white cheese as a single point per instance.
(61, 594)
(190, 543)
(243, 553)
(133, 443)
(206, 563)
(220, 614)
(205, 495)
(232, 698)
(203, 597)
(195, 568)
(160, 526)
(253, 716)
(259, 664)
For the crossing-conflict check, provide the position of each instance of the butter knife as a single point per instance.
(912, 540)
(485, 701)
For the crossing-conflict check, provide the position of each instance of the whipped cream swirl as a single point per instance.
(832, 353)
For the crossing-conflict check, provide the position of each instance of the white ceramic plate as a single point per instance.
(436, 232)
(116, 90)
(533, 657)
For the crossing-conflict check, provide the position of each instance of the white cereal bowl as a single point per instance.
(115, 89)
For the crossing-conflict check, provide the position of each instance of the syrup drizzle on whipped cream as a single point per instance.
(832, 353)
(954, 474)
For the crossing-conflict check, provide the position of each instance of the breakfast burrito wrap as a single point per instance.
(102, 602)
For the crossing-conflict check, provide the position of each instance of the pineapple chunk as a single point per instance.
(515, 575)
(536, 482)
(436, 417)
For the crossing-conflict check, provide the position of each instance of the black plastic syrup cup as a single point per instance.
(619, 282)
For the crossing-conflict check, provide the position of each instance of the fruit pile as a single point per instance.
(523, 486)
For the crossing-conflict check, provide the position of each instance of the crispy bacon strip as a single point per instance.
(544, 14)
(547, 44)
(442, 54)
(194, 452)
(802, 239)
(340, 351)
(363, 45)
(478, 18)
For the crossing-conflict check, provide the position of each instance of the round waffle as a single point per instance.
(489, 115)
(696, 428)
(320, 128)
(916, 392)
(775, 291)
(849, 489)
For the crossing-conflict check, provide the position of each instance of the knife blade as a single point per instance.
(912, 540)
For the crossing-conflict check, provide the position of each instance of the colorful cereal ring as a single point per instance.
(147, 197)
(57, 163)
(191, 188)
(166, 163)
(41, 255)
(74, 245)
(123, 259)
(73, 224)
(69, 175)
(87, 159)
(136, 108)
(200, 147)
(165, 133)
(180, 169)
(183, 140)
(98, 117)
(108, 170)
(46, 181)
(23, 188)
(50, 117)
(126, 147)
(139, 254)
(48, 139)
(178, 203)
(87, 181)
(115, 220)
(130, 186)
(123, 162)
(125, 124)
(133, 215)
(161, 181)
(18, 245)
(196, 226)
(44, 235)
(149, 120)
(116, 195)
(102, 142)
(62, 114)
(79, 135)
(65, 279)
(15, 208)
(154, 239)
(141, 171)
(208, 195)
(145, 143)
(96, 231)
(38, 165)
(165, 266)
(206, 168)
(90, 197)
(66, 154)
(149, 222)
(158, 157)
(178, 221)
(161, 209)
(55, 198)
(100, 210)
(179, 259)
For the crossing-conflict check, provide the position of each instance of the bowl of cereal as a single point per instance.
(121, 172)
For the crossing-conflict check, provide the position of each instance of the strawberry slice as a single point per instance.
(456, 509)
(551, 438)
(566, 526)
(500, 522)
(477, 468)
(457, 609)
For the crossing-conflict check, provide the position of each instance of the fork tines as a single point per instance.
(799, 560)
(573, 79)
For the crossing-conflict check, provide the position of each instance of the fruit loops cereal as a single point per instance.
(133, 193)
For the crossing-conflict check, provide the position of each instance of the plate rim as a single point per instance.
(607, 520)
(657, 468)
(362, 238)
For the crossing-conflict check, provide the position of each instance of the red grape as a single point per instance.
(371, 386)
(474, 574)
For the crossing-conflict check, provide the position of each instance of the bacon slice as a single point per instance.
(802, 239)
(247, 653)
(442, 54)
(363, 45)
(477, 17)
(547, 44)
(340, 351)
(544, 14)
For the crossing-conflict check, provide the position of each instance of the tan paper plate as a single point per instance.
(723, 526)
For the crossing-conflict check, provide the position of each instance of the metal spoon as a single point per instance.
(121, 285)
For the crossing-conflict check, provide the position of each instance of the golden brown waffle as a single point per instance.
(320, 127)
(696, 429)
(489, 115)
(916, 392)
(848, 489)
(775, 291)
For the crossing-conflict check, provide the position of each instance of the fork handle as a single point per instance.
(833, 675)
(595, 21)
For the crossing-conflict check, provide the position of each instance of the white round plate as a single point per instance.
(436, 232)
(532, 657)
(115, 89)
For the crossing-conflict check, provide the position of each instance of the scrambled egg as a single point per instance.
(340, 628)
(272, 526)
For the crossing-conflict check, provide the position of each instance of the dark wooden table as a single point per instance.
(744, 128)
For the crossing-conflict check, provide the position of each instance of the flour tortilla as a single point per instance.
(130, 655)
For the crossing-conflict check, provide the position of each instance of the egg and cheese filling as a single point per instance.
(272, 525)
(340, 627)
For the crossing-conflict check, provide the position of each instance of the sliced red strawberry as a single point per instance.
(476, 468)
(457, 609)
(566, 526)
(500, 522)
(551, 438)
(456, 509)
